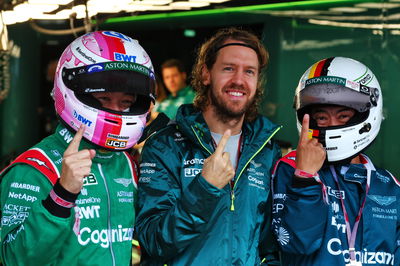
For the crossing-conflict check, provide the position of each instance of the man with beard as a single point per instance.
(204, 186)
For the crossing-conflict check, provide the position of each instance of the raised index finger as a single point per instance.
(73, 147)
(304, 135)
(222, 143)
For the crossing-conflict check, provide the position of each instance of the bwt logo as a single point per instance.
(125, 57)
(82, 119)
(89, 212)
(113, 143)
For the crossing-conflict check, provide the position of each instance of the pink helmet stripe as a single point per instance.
(105, 50)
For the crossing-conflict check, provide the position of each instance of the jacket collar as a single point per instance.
(191, 123)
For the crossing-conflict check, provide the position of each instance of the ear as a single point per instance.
(205, 74)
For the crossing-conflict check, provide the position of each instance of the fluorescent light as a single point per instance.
(161, 8)
(35, 8)
(12, 17)
(348, 9)
(378, 5)
(189, 4)
(212, 1)
(135, 7)
(354, 25)
(50, 2)
(152, 2)
(3, 34)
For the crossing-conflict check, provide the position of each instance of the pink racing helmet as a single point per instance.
(104, 61)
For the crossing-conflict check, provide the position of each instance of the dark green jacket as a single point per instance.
(31, 235)
(184, 220)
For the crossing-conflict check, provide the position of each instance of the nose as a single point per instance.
(335, 122)
(238, 78)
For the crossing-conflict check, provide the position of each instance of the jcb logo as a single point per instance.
(191, 172)
(113, 143)
(89, 180)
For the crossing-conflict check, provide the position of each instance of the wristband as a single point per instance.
(301, 173)
(57, 199)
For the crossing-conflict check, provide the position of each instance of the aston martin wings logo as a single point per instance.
(123, 181)
(39, 162)
(383, 200)
(256, 165)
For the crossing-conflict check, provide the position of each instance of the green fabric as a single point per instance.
(171, 104)
(184, 220)
(33, 236)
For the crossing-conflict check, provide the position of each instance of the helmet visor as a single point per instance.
(329, 93)
(110, 77)
(125, 77)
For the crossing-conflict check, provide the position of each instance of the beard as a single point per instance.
(223, 111)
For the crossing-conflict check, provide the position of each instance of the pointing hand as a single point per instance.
(217, 168)
(310, 154)
(76, 164)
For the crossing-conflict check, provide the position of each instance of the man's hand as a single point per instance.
(310, 154)
(76, 164)
(217, 168)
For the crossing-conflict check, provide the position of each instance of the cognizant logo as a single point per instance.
(364, 256)
(105, 236)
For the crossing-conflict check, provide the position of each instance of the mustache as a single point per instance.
(240, 88)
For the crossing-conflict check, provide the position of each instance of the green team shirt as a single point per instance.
(31, 235)
(171, 104)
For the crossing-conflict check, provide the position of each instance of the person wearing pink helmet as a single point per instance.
(70, 199)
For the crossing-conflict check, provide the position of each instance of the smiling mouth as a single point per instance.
(236, 93)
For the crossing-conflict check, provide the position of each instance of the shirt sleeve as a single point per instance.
(29, 232)
(170, 216)
(299, 212)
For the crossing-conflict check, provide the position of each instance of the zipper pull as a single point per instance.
(232, 200)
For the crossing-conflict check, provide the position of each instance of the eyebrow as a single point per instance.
(234, 64)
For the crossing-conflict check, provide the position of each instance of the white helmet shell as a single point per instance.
(344, 82)
(104, 61)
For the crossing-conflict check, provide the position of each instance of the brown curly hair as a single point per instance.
(207, 56)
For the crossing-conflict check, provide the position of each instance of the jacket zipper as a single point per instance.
(109, 213)
(237, 179)
(244, 167)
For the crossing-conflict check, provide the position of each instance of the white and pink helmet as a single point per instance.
(104, 61)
